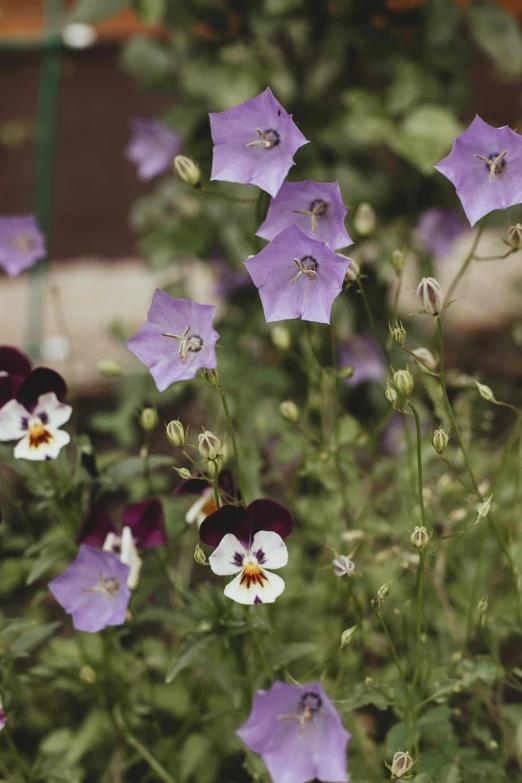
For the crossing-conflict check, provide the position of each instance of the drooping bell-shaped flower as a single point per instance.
(176, 340)
(485, 165)
(297, 277)
(93, 590)
(255, 143)
(298, 733)
(22, 243)
(315, 207)
(437, 230)
(152, 147)
(38, 431)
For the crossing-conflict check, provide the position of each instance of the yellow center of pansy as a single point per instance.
(38, 435)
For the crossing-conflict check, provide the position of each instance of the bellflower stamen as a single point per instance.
(188, 342)
(496, 164)
(267, 139)
(109, 587)
(318, 209)
(306, 266)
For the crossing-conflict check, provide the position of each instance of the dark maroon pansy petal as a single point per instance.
(146, 521)
(191, 486)
(41, 381)
(96, 526)
(14, 362)
(227, 519)
(227, 483)
(268, 514)
(8, 387)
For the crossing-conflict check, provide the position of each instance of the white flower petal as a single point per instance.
(228, 557)
(203, 506)
(261, 588)
(12, 418)
(57, 412)
(129, 556)
(269, 549)
(43, 451)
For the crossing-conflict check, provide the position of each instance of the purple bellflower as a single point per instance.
(152, 147)
(244, 523)
(22, 243)
(144, 519)
(176, 340)
(18, 379)
(205, 503)
(255, 143)
(253, 583)
(3, 719)
(38, 431)
(93, 590)
(437, 231)
(299, 734)
(317, 208)
(485, 165)
(297, 277)
(366, 357)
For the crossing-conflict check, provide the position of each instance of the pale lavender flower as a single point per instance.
(152, 147)
(297, 277)
(299, 734)
(255, 143)
(3, 719)
(316, 207)
(343, 566)
(93, 590)
(485, 165)
(366, 357)
(37, 431)
(438, 230)
(176, 340)
(22, 243)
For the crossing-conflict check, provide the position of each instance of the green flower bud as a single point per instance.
(440, 440)
(515, 236)
(483, 604)
(199, 556)
(289, 411)
(346, 636)
(364, 219)
(353, 271)
(425, 360)
(485, 392)
(109, 367)
(398, 260)
(484, 507)
(420, 538)
(88, 675)
(430, 294)
(280, 337)
(390, 393)
(401, 764)
(403, 380)
(384, 590)
(208, 445)
(346, 372)
(369, 681)
(211, 376)
(176, 434)
(183, 473)
(398, 333)
(187, 170)
(149, 419)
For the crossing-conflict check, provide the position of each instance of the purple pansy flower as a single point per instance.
(253, 583)
(22, 243)
(255, 143)
(299, 734)
(485, 165)
(438, 230)
(176, 340)
(93, 590)
(17, 379)
(244, 523)
(38, 431)
(152, 147)
(317, 208)
(366, 357)
(145, 520)
(297, 277)
(205, 504)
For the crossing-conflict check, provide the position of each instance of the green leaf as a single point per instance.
(32, 639)
(150, 11)
(133, 466)
(425, 136)
(288, 653)
(498, 33)
(190, 650)
(92, 11)
(50, 554)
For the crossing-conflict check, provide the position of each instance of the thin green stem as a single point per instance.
(259, 646)
(236, 199)
(400, 671)
(146, 755)
(23, 766)
(467, 261)
(234, 442)
(419, 463)
(215, 485)
(371, 319)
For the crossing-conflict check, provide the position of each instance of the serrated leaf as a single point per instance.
(190, 650)
(32, 639)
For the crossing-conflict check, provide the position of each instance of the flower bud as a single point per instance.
(384, 590)
(346, 636)
(149, 419)
(183, 473)
(364, 219)
(515, 236)
(420, 538)
(88, 675)
(430, 294)
(398, 333)
(353, 271)
(485, 392)
(483, 604)
(398, 260)
(425, 360)
(176, 434)
(280, 337)
(109, 367)
(187, 170)
(343, 566)
(440, 440)
(401, 764)
(346, 372)
(369, 682)
(390, 393)
(403, 380)
(289, 411)
(484, 507)
(199, 556)
(211, 376)
(208, 445)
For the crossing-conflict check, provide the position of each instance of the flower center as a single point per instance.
(252, 574)
(309, 704)
(317, 209)
(495, 164)
(23, 243)
(38, 435)
(267, 139)
(108, 586)
(188, 343)
(306, 266)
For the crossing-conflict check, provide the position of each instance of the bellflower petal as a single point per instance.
(438, 230)
(152, 147)
(365, 355)
(254, 143)
(485, 165)
(316, 208)
(299, 734)
(297, 277)
(22, 243)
